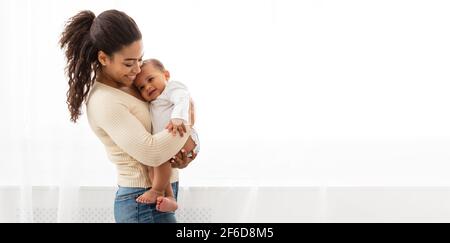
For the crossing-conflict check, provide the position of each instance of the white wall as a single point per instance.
(299, 93)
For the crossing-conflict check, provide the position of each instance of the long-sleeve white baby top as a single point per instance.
(172, 103)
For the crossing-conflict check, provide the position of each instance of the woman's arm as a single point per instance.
(129, 134)
(191, 111)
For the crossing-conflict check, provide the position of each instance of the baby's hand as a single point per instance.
(176, 125)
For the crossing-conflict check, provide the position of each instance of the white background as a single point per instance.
(289, 93)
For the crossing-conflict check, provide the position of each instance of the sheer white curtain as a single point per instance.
(289, 93)
(40, 146)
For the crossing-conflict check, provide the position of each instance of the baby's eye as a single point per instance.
(128, 65)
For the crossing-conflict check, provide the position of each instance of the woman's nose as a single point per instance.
(137, 68)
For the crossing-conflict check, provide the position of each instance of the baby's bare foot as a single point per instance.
(148, 197)
(166, 204)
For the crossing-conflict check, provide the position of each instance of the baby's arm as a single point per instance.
(170, 126)
(179, 96)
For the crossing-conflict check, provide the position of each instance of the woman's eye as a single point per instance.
(128, 65)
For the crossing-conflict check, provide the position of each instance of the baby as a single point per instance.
(169, 107)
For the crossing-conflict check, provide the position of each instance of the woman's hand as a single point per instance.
(181, 160)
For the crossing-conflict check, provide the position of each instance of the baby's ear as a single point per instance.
(167, 75)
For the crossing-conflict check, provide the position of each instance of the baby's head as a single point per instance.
(152, 79)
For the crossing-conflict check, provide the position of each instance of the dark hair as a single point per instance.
(155, 62)
(83, 37)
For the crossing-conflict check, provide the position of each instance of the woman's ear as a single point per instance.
(103, 58)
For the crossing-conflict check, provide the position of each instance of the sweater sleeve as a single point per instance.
(131, 136)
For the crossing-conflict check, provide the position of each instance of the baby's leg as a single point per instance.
(167, 203)
(160, 177)
(148, 196)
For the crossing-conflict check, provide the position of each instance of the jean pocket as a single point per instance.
(150, 206)
(127, 196)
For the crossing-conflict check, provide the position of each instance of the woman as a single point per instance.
(104, 55)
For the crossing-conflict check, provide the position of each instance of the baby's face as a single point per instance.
(151, 82)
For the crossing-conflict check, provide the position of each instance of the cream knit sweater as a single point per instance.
(123, 124)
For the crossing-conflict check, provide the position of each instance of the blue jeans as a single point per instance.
(127, 210)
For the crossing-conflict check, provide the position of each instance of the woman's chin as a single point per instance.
(127, 82)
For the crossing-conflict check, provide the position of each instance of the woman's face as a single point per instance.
(125, 64)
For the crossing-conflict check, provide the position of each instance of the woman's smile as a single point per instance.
(131, 77)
